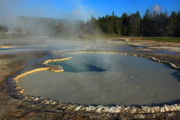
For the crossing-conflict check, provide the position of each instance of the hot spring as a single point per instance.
(105, 79)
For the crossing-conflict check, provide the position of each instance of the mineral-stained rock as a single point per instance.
(127, 109)
(173, 65)
(99, 109)
(118, 109)
(133, 110)
(112, 109)
(162, 110)
(45, 101)
(78, 108)
(71, 107)
(140, 116)
(156, 109)
(36, 99)
(153, 58)
(90, 108)
(143, 109)
(148, 110)
(153, 109)
(166, 108)
(177, 107)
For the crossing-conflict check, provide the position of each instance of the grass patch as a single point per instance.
(164, 39)
(105, 36)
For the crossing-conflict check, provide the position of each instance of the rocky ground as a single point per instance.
(40, 109)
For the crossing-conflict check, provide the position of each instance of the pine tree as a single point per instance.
(124, 24)
(134, 24)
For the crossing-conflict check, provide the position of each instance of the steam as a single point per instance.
(156, 9)
(81, 13)
(11, 12)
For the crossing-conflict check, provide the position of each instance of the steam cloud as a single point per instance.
(156, 9)
(11, 10)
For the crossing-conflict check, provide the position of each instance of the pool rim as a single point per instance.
(171, 106)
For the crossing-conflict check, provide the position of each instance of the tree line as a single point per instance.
(151, 24)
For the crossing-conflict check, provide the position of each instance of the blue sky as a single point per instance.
(81, 9)
(130, 6)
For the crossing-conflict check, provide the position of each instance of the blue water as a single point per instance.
(77, 65)
(166, 52)
(106, 79)
(38, 48)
